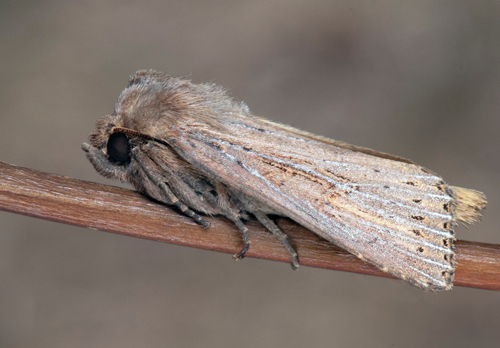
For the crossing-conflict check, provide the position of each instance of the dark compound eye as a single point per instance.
(118, 148)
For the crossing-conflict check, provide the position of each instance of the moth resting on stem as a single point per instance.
(193, 147)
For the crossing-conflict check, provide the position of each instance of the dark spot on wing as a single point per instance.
(417, 232)
(440, 186)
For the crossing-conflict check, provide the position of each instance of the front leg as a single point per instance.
(158, 180)
(101, 163)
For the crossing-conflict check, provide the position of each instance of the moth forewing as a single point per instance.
(392, 214)
(193, 147)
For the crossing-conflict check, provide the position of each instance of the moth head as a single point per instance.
(109, 149)
(108, 138)
(103, 130)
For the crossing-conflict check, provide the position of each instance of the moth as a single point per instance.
(191, 146)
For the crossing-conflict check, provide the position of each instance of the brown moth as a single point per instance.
(193, 147)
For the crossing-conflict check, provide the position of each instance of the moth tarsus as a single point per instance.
(246, 239)
(190, 146)
(275, 230)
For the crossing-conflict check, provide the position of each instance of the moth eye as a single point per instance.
(118, 148)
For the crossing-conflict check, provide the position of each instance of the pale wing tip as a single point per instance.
(468, 204)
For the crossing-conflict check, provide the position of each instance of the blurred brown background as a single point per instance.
(419, 80)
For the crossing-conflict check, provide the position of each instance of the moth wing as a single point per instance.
(337, 143)
(393, 214)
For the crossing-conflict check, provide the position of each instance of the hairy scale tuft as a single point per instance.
(468, 205)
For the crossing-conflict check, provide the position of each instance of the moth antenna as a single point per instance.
(468, 204)
(131, 132)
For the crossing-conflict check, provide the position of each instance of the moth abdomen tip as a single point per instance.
(468, 205)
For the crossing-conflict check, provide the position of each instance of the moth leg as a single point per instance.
(173, 200)
(271, 226)
(206, 192)
(246, 238)
(185, 210)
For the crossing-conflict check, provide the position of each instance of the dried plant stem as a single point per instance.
(107, 208)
